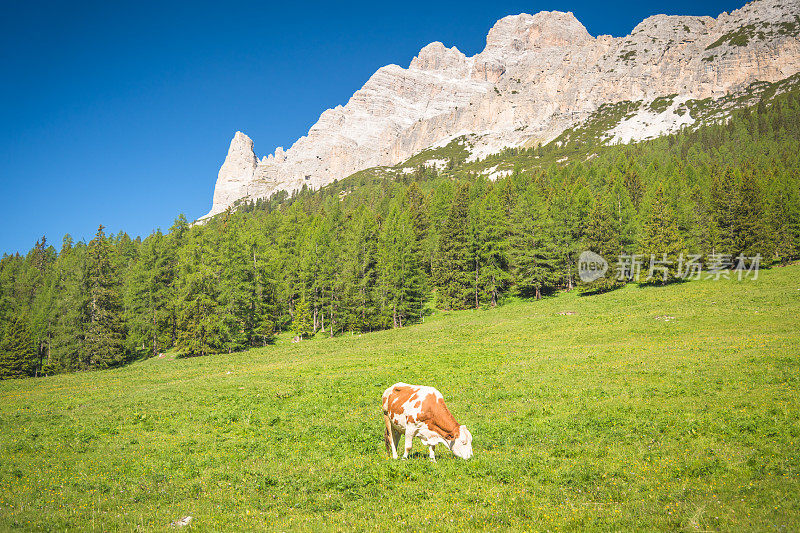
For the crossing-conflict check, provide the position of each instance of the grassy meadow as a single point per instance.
(588, 413)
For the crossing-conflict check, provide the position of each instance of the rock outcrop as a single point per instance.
(537, 76)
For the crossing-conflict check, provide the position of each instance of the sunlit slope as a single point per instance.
(611, 417)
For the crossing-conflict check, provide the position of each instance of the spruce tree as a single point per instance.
(18, 355)
(201, 318)
(492, 254)
(785, 220)
(535, 255)
(400, 281)
(70, 309)
(147, 298)
(104, 344)
(750, 225)
(302, 326)
(723, 203)
(602, 237)
(452, 274)
(359, 271)
(661, 245)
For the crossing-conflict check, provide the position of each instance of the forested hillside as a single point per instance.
(371, 252)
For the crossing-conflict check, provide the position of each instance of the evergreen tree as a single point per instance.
(624, 213)
(750, 230)
(535, 259)
(147, 298)
(492, 251)
(104, 343)
(785, 220)
(70, 308)
(400, 279)
(18, 356)
(723, 203)
(347, 250)
(452, 275)
(602, 237)
(568, 212)
(661, 245)
(302, 326)
(201, 326)
(359, 271)
(418, 210)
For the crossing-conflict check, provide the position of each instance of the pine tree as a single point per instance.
(568, 212)
(603, 230)
(785, 220)
(18, 355)
(624, 212)
(359, 271)
(633, 184)
(453, 270)
(302, 325)
(749, 229)
(661, 244)
(723, 202)
(535, 257)
(419, 212)
(261, 302)
(233, 266)
(104, 345)
(201, 326)
(70, 308)
(400, 281)
(147, 298)
(492, 250)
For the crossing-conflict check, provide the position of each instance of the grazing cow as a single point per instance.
(420, 411)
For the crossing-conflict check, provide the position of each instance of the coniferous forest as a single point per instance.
(369, 252)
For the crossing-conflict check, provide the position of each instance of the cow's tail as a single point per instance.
(387, 435)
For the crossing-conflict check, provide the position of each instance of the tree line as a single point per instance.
(369, 252)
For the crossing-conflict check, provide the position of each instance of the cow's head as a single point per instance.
(462, 445)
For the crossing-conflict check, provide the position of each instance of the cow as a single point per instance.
(420, 411)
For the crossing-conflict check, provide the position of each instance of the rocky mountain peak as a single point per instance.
(528, 32)
(236, 171)
(241, 156)
(436, 56)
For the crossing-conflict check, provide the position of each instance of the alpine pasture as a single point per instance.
(652, 408)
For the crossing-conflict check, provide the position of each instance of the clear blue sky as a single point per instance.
(121, 113)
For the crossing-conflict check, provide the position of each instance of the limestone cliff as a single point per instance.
(537, 76)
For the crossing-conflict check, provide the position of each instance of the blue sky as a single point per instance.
(121, 113)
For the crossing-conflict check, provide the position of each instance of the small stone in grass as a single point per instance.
(182, 522)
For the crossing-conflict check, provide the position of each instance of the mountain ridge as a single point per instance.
(538, 76)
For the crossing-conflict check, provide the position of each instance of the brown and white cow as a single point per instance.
(419, 411)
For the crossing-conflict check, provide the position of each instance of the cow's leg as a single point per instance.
(408, 443)
(430, 452)
(390, 437)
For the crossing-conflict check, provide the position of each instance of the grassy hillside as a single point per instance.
(611, 418)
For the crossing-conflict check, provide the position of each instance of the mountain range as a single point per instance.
(539, 78)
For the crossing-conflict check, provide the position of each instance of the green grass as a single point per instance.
(662, 103)
(455, 150)
(607, 419)
(739, 37)
(594, 129)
